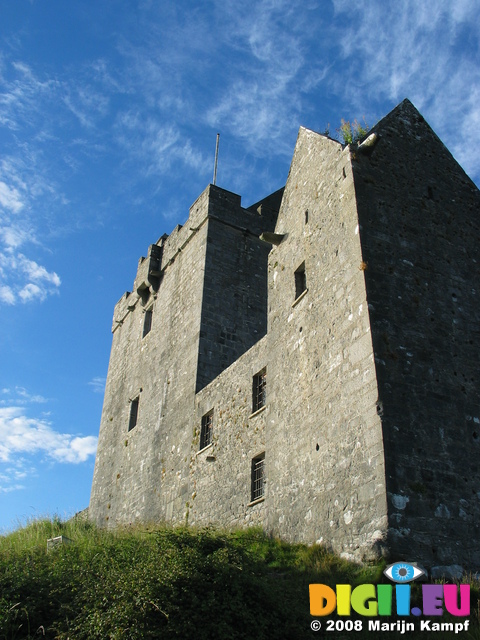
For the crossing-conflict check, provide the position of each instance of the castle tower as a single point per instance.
(310, 364)
(324, 449)
(198, 302)
(419, 218)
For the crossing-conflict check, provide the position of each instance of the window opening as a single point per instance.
(206, 430)
(259, 390)
(258, 477)
(147, 322)
(132, 423)
(300, 280)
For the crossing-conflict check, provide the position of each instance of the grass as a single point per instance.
(159, 582)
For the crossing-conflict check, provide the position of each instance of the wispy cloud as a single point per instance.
(20, 395)
(13, 474)
(22, 435)
(23, 184)
(27, 442)
(97, 384)
(26, 280)
(87, 105)
(41, 118)
(23, 96)
(157, 145)
(10, 198)
(261, 106)
(411, 49)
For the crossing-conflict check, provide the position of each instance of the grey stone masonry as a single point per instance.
(419, 215)
(309, 364)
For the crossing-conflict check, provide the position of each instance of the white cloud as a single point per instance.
(86, 105)
(12, 475)
(7, 295)
(10, 198)
(13, 236)
(36, 272)
(29, 280)
(419, 50)
(23, 279)
(32, 292)
(10, 487)
(22, 393)
(19, 396)
(21, 435)
(260, 106)
(25, 442)
(75, 450)
(157, 145)
(98, 385)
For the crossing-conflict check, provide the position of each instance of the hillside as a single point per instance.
(154, 582)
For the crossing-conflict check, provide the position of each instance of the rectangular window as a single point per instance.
(147, 322)
(300, 280)
(258, 477)
(132, 423)
(207, 430)
(259, 391)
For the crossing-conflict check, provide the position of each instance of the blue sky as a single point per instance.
(109, 111)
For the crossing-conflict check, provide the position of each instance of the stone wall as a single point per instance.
(324, 447)
(221, 473)
(234, 303)
(157, 370)
(420, 232)
(144, 473)
(356, 290)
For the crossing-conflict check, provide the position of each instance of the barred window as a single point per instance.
(258, 477)
(206, 430)
(132, 422)
(300, 280)
(259, 391)
(147, 322)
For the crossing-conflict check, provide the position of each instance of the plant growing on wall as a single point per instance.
(351, 132)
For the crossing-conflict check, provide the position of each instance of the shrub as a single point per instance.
(352, 132)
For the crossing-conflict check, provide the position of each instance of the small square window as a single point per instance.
(132, 423)
(207, 430)
(258, 477)
(147, 322)
(259, 390)
(300, 280)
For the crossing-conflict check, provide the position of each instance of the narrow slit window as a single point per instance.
(147, 322)
(206, 430)
(259, 394)
(300, 280)
(258, 477)
(132, 422)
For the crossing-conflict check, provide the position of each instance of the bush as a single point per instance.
(160, 582)
(352, 132)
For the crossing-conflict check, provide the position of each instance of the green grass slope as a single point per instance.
(158, 582)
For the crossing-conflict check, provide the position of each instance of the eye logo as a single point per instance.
(403, 572)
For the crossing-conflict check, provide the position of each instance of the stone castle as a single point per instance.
(310, 364)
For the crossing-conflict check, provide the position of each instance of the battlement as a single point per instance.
(214, 203)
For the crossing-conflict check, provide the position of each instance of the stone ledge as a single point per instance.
(257, 501)
(255, 413)
(300, 297)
